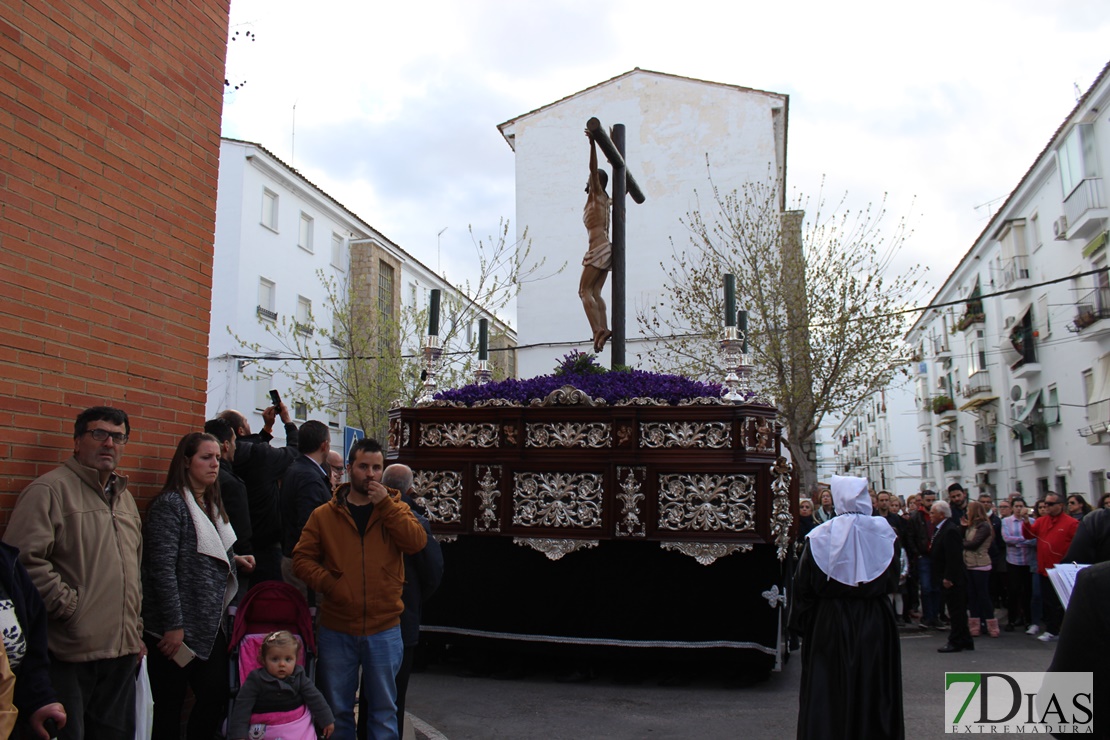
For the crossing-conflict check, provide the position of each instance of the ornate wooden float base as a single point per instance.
(638, 527)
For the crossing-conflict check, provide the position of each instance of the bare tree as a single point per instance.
(823, 326)
(369, 357)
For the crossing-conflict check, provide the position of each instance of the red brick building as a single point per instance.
(109, 152)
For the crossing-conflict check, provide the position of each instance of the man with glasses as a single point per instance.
(79, 536)
(1054, 532)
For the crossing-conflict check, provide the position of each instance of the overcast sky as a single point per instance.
(941, 106)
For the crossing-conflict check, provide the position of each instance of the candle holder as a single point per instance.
(432, 354)
(737, 383)
(482, 374)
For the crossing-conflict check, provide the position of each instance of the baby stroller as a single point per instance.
(266, 608)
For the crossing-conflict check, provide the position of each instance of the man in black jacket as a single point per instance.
(947, 556)
(261, 467)
(305, 486)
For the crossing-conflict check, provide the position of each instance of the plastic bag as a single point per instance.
(144, 704)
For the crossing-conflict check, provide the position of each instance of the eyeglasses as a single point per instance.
(1053, 503)
(100, 435)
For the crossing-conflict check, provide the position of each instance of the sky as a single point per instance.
(392, 109)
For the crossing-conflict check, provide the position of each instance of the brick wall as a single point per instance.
(109, 150)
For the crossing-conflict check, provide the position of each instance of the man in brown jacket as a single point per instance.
(79, 536)
(351, 551)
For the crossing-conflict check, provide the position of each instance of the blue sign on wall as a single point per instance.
(350, 436)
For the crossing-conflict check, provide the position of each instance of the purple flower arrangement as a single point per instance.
(582, 371)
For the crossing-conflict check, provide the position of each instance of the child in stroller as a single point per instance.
(271, 606)
(279, 686)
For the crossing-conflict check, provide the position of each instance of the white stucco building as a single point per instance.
(878, 440)
(672, 125)
(1012, 374)
(276, 235)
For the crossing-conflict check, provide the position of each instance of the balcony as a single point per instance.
(1091, 312)
(1085, 209)
(267, 314)
(973, 317)
(944, 408)
(941, 349)
(1015, 273)
(924, 419)
(977, 391)
(1034, 441)
(951, 462)
(1023, 340)
(986, 455)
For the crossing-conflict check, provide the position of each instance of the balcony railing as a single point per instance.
(951, 462)
(1035, 439)
(1014, 270)
(979, 382)
(1090, 308)
(986, 452)
(266, 313)
(1087, 195)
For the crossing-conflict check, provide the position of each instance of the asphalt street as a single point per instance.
(668, 701)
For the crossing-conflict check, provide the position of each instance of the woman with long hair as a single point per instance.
(188, 581)
(826, 510)
(977, 541)
(1078, 506)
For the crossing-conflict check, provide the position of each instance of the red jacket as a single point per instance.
(1054, 535)
(361, 575)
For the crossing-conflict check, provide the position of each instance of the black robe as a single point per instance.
(1084, 644)
(851, 657)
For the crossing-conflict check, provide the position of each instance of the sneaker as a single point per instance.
(1033, 629)
(1048, 637)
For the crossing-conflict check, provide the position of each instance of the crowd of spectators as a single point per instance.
(1006, 551)
(88, 590)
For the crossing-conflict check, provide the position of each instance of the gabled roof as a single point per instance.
(1002, 215)
(636, 70)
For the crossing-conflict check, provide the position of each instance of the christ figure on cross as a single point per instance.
(599, 257)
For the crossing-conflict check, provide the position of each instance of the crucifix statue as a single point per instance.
(604, 255)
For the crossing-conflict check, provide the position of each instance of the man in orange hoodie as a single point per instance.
(351, 550)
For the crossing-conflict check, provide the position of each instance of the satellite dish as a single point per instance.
(1015, 393)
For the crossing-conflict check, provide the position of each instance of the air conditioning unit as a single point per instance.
(982, 479)
(1060, 228)
(990, 417)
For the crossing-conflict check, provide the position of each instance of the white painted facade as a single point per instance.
(878, 440)
(672, 124)
(1028, 371)
(274, 231)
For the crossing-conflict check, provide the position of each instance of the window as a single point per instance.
(304, 237)
(338, 330)
(269, 209)
(337, 252)
(300, 410)
(385, 289)
(1062, 485)
(1035, 231)
(267, 295)
(1042, 314)
(977, 351)
(1052, 407)
(1088, 390)
(1076, 157)
(304, 315)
